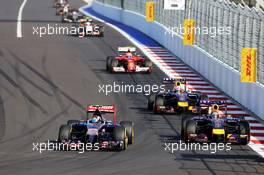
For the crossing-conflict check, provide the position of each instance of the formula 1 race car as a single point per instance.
(60, 3)
(88, 27)
(128, 61)
(60, 11)
(215, 126)
(178, 99)
(73, 16)
(66, 9)
(108, 134)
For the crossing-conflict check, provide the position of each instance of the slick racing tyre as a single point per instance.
(129, 126)
(151, 100)
(64, 133)
(119, 134)
(109, 62)
(185, 119)
(70, 122)
(101, 34)
(159, 101)
(149, 65)
(62, 19)
(114, 63)
(244, 130)
(101, 31)
(190, 129)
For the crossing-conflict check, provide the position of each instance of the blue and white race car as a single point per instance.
(107, 134)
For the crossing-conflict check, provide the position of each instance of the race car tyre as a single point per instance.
(114, 63)
(151, 100)
(101, 31)
(185, 119)
(70, 122)
(182, 133)
(108, 62)
(244, 130)
(149, 65)
(101, 34)
(190, 129)
(159, 101)
(62, 19)
(64, 133)
(129, 126)
(119, 134)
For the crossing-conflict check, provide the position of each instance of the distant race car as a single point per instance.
(59, 3)
(88, 27)
(128, 60)
(215, 126)
(109, 134)
(65, 9)
(60, 11)
(175, 100)
(73, 16)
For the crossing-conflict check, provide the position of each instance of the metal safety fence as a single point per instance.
(245, 25)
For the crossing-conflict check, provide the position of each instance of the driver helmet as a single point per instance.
(95, 119)
(66, 8)
(129, 54)
(87, 23)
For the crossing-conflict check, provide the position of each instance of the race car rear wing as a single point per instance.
(102, 108)
(215, 104)
(125, 49)
(211, 102)
(174, 80)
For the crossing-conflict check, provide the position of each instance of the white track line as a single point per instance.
(19, 18)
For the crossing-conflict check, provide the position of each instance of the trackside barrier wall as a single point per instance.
(221, 75)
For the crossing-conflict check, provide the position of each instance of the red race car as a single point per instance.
(128, 61)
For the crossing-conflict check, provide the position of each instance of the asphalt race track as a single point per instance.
(46, 81)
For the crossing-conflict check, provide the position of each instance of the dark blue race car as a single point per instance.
(107, 134)
(215, 126)
(177, 99)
